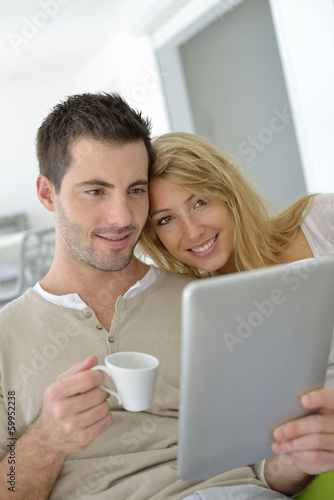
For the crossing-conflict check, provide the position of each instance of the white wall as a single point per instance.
(239, 100)
(305, 35)
(305, 31)
(22, 112)
(126, 64)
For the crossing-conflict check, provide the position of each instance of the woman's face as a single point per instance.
(197, 232)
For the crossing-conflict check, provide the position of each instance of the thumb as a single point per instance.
(321, 398)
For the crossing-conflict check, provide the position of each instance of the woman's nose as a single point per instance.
(192, 230)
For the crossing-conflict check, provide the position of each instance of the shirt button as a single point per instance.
(87, 314)
(99, 327)
(111, 339)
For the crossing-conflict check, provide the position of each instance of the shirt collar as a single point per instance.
(73, 300)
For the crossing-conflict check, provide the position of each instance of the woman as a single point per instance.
(207, 219)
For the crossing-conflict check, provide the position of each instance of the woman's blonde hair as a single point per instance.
(197, 166)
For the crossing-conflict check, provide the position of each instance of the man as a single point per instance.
(58, 437)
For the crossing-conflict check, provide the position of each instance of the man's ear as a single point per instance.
(46, 192)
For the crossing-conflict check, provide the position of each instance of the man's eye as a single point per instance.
(137, 191)
(164, 220)
(95, 192)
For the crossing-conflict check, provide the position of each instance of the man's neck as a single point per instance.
(98, 289)
(93, 286)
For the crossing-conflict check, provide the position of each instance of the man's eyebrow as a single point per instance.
(140, 182)
(94, 182)
(98, 182)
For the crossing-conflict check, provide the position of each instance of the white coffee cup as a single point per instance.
(134, 375)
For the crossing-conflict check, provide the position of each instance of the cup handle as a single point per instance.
(103, 368)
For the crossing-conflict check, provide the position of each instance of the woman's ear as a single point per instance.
(46, 192)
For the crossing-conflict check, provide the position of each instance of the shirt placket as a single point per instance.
(116, 324)
(89, 314)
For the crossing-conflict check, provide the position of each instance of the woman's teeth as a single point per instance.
(205, 247)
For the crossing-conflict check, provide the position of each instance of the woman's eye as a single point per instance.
(200, 203)
(164, 220)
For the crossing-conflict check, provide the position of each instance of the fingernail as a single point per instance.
(308, 399)
(277, 447)
(280, 433)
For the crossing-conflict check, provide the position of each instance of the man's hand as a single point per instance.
(75, 411)
(309, 441)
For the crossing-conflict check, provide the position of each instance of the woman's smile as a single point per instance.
(206, 248)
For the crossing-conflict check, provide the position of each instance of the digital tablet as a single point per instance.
(252, 344)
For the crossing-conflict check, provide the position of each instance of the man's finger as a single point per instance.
(79, 367)
(308, 442)
(311, 424)
(322, 398)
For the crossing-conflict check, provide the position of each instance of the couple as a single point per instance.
(95, 155)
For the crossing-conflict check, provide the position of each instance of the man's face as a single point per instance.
(102, 204)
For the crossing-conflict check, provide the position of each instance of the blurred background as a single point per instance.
(255, 77)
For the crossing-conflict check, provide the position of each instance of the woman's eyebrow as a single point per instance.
(156, 212)
(190, 198)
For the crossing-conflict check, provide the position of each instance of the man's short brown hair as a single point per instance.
(102, 116)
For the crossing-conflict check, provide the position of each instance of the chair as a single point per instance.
(321, 488)
(36, 256)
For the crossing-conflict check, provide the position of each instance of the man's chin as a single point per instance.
(116, 265)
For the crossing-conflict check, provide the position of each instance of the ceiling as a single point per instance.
(42, 38)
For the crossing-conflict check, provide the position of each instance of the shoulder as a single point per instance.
(15, 308)
(161, 300)
(318, 225)
(167, 286)
(322, 204)
(175, 279)
(13, 305)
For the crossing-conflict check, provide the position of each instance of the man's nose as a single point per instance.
(118, 212)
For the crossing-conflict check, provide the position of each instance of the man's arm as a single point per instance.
(74, 413)
(305, 446)
(281, 475)
(36, 466)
